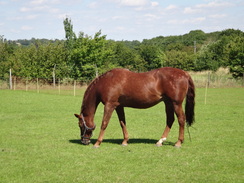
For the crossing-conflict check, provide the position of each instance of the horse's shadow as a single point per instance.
(119, 141)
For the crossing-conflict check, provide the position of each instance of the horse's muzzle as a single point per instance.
(85, 141)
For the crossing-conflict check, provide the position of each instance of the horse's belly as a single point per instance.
(139, 102)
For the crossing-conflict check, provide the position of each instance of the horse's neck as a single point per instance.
(89, 104)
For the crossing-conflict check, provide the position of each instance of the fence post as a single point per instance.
(10, 79)
(243, 79)
(208, 78)
(14, 82)
(54, 79)
(59, 87)
(37, 85)
(26, 84)
(206, 88)
(206, 91)
(74, 86)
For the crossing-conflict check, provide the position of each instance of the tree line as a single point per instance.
(83, 57)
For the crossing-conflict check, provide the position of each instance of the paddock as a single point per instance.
(40, 142)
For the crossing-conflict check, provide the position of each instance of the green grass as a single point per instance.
(39, 142)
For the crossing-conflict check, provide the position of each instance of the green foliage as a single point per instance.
(86, 53)
(179, 59)
(152, 55)
(83, 57)
(6, 50)
(196, 35)
(236, 57)
(127, 57)
(38, 60)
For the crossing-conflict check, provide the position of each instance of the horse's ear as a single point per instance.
(78, 116)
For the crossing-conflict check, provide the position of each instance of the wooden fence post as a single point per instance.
(26, 84)
(74, 86)
(59, 87)
(10, 79)
(37, 85)
(14, 82)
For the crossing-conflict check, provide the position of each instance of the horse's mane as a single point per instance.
(94, 81)
(91, 86)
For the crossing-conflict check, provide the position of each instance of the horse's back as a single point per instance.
(142, 90)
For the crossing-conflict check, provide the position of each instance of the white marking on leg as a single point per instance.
(162, 140)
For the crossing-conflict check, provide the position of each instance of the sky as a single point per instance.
(117, 19)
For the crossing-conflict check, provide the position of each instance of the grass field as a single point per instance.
(39, 142)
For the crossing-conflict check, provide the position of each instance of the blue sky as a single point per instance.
(118, 19)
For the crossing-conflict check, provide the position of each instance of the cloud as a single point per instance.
(194, 20)
(120, 28)
(187, 21)
(36, 8)
(134, 3)
(26, 28)
(14, 31)
(150, 17)
(93, 5)
(62, 16)
(43, 8)
(214, 4)
(24, 9)
(171, 7)
(31, 17)
(189, 10)
(38, 2)
(218, 16)
(117, 17)
(27, 17)
(153, 4)
(203, 7)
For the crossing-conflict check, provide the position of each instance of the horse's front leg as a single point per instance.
(108, 110)
(121, 116)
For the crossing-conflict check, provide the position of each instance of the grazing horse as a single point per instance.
(121, 88)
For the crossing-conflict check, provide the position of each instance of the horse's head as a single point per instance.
(85, 131)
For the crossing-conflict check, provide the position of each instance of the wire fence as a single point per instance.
(40, 85)
(77, 87)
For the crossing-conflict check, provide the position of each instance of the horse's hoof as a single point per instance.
(177, 146)
(159, 145)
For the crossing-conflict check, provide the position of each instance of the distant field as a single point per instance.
(39, 142)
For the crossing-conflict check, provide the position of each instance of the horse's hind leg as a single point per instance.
(121, 116)
(181, 119)
(169, 108)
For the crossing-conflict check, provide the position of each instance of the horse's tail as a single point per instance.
(190, 103)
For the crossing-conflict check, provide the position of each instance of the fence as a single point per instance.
(77, 87)
(215, 80)
(61, 86)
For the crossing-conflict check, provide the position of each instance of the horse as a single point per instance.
(119, 88)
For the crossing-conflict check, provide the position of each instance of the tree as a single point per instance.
(127, 57)
(85, 53)
(195, 35)
(236, 57)
(69, 33)
(6, 50)
(207, 58)
(153, 56)
(179, 60)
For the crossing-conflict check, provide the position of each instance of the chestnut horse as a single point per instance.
(121, 88)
